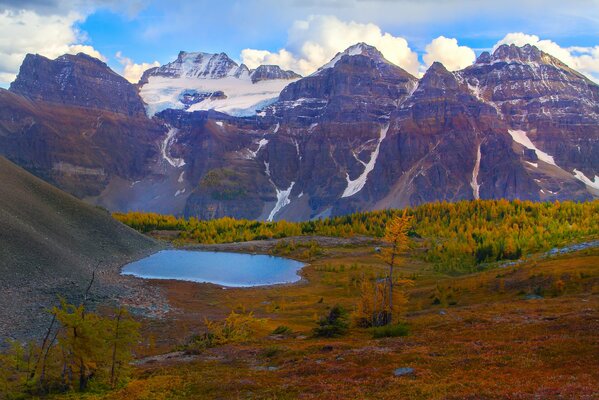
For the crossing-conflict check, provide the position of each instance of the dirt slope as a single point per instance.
(49, 244)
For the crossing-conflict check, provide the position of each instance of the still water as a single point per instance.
(225, 269)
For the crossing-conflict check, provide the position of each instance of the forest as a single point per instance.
(456, 237)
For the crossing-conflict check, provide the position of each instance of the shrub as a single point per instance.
(282, 330)
(271, 351)
(396, 330)
(333, 324)
(234, 329)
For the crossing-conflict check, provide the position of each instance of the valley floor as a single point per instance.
(527, 331)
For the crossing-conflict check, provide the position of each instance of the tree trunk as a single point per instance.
(116, 338)
(43, 372)
(391, 265)
(44, 342)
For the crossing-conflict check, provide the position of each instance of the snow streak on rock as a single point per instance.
(282, 200)
(166, 146)
(354, 186)
(474, 183)
(520, 137)
(263, 142)
(583, 178)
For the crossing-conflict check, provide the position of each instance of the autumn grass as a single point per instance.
(481, 339)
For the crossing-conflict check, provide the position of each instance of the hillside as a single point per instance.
(49, 244)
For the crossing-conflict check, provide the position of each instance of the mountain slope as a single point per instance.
(310, 146)
(358, 134)
(49, 244)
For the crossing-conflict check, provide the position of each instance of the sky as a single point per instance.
(133, 35)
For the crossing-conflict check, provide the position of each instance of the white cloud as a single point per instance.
(311, 43)
(83, 48)
(447, 51)
(132, 71)
(582, 59)
(24, 31)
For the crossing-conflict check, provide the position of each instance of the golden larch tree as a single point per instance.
(396, 236)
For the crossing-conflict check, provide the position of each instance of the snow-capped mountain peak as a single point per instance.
(204, 81)
(357, 49)
(526, 55)
(198, 65)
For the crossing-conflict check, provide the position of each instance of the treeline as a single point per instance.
(457, 236)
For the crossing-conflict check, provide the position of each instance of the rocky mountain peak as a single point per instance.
(437, 76)
(268, 72)
(197, 65)
(527, 54)
(78, 80)
(358, 49)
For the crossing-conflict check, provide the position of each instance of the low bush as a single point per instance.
(282, 330)
(395, 330)
(333, 324)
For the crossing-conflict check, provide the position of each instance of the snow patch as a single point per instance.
(277, 126)
(536, 165)
(282, 200)
(520, 137)
(261, 143)
(352, 51)
(166, 146)
(583, 178)
(180, 179)
(474, 183)
(219, 123)
(180, 191)
(354, 186)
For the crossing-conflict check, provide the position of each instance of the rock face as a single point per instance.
(77, 124)
(358, 134)
(76, 80)
(361, 133)
(549, 109)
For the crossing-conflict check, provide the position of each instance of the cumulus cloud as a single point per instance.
(447, 51)
(83, 48)
(582, 59)
(132, 71)
(311, 43)
(29, 32)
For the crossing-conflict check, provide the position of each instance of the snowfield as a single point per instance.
(244, 98)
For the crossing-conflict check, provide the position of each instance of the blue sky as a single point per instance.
(298, 34)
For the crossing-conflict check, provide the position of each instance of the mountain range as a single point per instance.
(204, 136)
